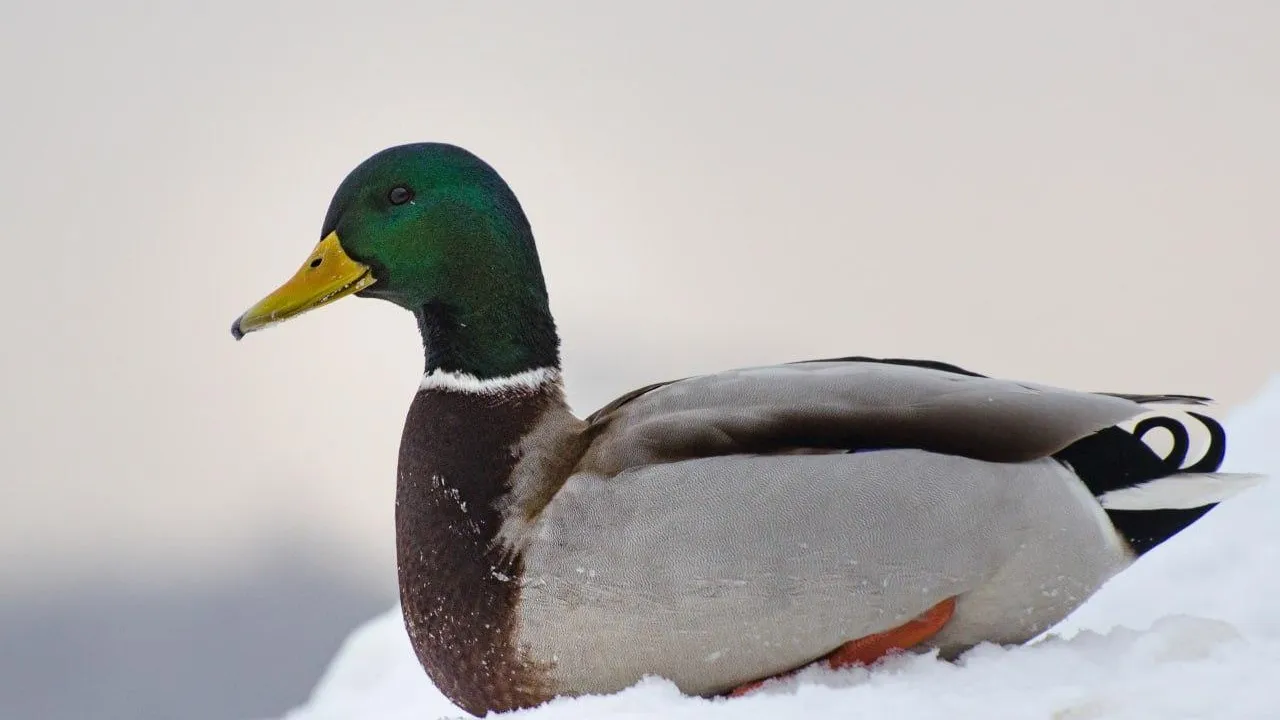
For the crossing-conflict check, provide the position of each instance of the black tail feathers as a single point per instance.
(1115, 459)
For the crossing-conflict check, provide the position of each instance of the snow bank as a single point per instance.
(1191, 631)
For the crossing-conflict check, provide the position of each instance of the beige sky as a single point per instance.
(1084, 195)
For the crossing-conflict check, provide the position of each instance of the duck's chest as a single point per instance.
(458, 589)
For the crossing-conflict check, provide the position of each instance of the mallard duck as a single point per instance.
(723, 529)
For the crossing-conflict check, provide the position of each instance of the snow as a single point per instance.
(1190, 631)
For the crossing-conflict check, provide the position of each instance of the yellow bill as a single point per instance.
(327, 275)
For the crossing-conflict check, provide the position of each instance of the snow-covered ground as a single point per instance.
(1191, 631)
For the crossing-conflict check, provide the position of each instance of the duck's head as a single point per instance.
(435, 230)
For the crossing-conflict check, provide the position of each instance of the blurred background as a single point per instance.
(189, 526)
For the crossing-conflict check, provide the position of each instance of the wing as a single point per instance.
(850, 404)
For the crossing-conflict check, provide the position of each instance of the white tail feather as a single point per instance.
(1180, 492)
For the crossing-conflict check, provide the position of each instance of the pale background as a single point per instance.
(1084, 196)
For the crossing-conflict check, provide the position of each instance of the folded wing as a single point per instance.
(850, 404)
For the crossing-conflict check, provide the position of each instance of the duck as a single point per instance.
(725, 529)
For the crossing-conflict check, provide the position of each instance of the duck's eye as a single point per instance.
(399, 195)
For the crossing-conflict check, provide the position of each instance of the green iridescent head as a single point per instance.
(435, 230)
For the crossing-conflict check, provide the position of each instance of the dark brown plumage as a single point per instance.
(458, 591)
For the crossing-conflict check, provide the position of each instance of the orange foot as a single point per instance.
(866, 650)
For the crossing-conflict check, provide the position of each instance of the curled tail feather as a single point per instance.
(1151, 497)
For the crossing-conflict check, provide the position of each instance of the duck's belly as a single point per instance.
(715, 572)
